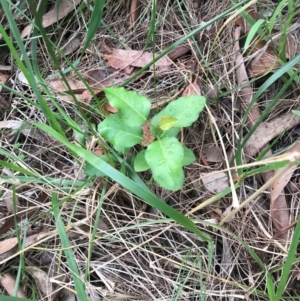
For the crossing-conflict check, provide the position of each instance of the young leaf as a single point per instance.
(185, 109)
(164, 158)
(167, 122)
(189, 156)
(157, 132)
(140, 163)
(133, 109)
(121, 136)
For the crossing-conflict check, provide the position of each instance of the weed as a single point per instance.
(165, 156)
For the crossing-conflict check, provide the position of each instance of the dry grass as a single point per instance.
(138, 254)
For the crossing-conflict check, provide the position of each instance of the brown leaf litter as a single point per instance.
(120, 59)
(261, 138)
(62, 9)
(265, 54)
(9, 284)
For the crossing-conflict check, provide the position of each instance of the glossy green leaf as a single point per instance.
(188, 156)
(133, 109)
(185, 109)
(121, 136)
(167, 122)
(165, 157)
(140, 163)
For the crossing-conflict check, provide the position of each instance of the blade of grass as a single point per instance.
(28, 70)
(95, 21)
(289, 261)
(79, 284)
(9, 298)
(132, 186)
(265, 113)
(95, 228)
(180, 41)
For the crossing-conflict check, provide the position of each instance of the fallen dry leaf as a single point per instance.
(42, 280)
(7, 244)
(268, 131)
(10, 243)
(245, 92)
(215, 181)
(120, 59)
(148, 138)
(77, 86)
(266, 60)
(71, 46)
(98, 152)
(8, 282)
(109, 108)
(240, 21)
(192, 89)
(8, 200)
(97, 79)
(3, 79)
(279, 210)
(63, 9)
(178, 52)
(212, 153)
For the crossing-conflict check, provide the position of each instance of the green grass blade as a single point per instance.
(28, 70)
(8, 298)
(120, 178)
(270, 288)
(186, 37)
(95, 21)
(79, 284)
(252, 33)
(289, 261)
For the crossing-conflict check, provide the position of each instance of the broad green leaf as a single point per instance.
(188, 156)
(140, 163)
(133, 109)
(164, 158)
(185, 109)
(121, 136)
(167, 122)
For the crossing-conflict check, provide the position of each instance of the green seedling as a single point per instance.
(165, 156)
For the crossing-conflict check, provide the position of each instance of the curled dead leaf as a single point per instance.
(41, 279)
(240, 21)
(279, 210)
(9, 282)
(63, 8)
(212, 153)
(268, 131)
(109, 108)
(148, 138)
(120, 59)
(192, 89)
(215, 181)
